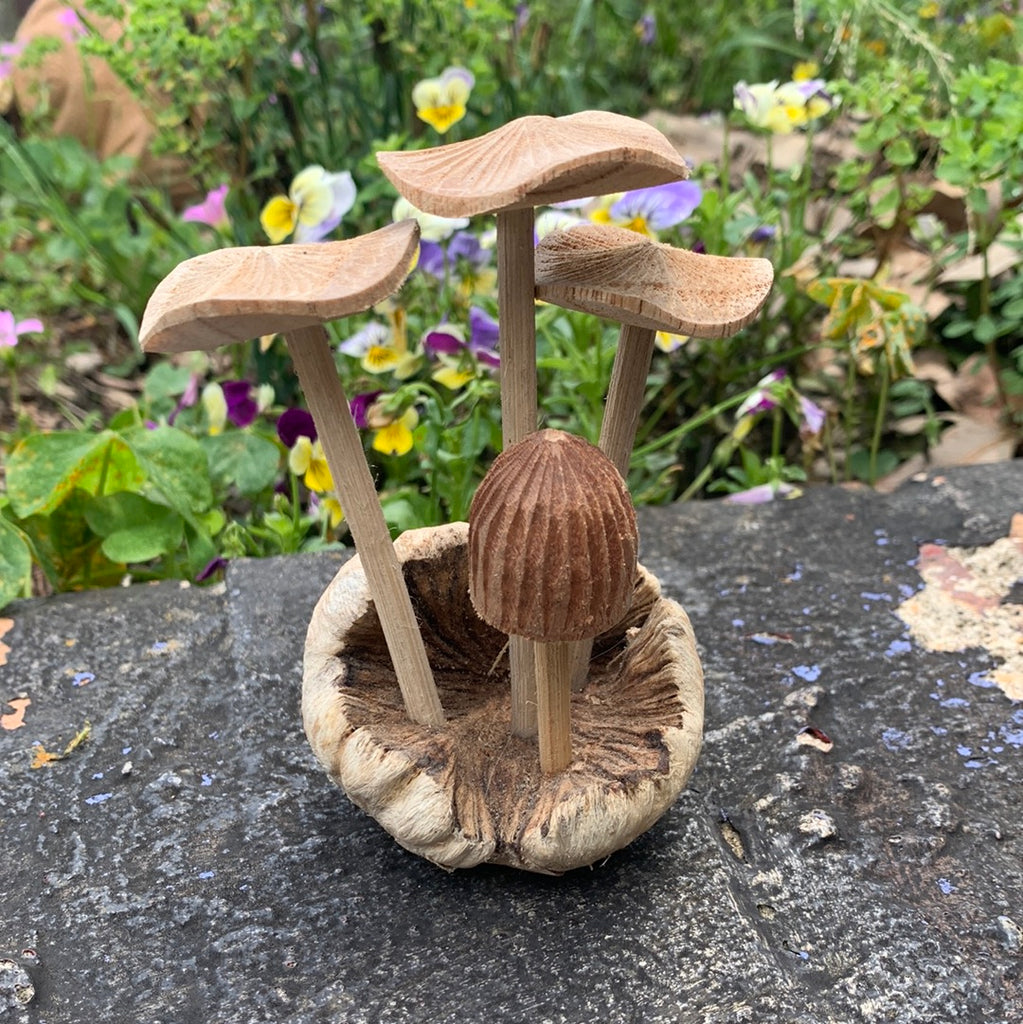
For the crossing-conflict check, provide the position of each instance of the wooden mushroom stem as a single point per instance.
(618, 434)
(553, 695)
(342, 445)
(515, 296)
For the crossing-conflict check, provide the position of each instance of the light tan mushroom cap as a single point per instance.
(533, 161)
(623, 276)
(236, 294)
(552, 540)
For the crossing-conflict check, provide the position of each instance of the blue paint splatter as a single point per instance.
(954, 702)
(811, 673)
(207, 780)
(738, 623)
(939, 730)
(975, 763)
(125, 750)
(963, 751)
(795, 575)
(97, 775)
(98, 798)
(898, 647)
(159, 647)
(868, 595)
(906, 590)
(981, 679)
(946, 886)
(896, 739)
(83, 678)
(1013, 737)
(881, 538)
(207, 874)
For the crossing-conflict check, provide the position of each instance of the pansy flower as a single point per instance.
(9, 52)
(214, 404)
(393, 430)
(313, 207)
(293, 424)
(668, 342)
(11, 329)
(242, 407)
(383, 349)
(431, 228)
(463, 247)
(650, 210)
(211, 210)
(307, 460)
(440, 102)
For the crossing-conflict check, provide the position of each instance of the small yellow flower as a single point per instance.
(215, 405)
(313, 207)
(306, 459)
(805, 70)
(928, 10)
(332, 507)
(396, 437)
(669, 342)
(452, 377)
(440, 102)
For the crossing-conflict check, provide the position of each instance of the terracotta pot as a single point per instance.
(471, 793)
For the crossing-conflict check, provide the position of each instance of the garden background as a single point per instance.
(872, 150)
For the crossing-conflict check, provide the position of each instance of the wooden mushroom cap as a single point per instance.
(240, 293)
(552, 540)
(472, 793)
(622, 276)
(533, 161)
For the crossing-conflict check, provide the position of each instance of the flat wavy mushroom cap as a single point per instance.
(235, 294)
(645, 286)
(552, 557)
(529, 162)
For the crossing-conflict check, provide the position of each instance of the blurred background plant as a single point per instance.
(871, 150)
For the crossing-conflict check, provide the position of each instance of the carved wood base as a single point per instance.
(470, 792)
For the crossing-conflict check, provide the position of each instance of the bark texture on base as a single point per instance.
(471, 792)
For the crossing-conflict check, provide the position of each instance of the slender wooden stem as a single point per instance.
(515, 296)
(310, 352)
(554, 695)
(618, 433)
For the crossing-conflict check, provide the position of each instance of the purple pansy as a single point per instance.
(360, 405)
(211, 210)
(484, 335)
(293, 424)
(764, 397)
(439, 258)
(658, 207)
(242, 408)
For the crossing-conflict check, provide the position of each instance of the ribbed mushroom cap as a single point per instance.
(533, 161)
(622, 276)
(552, 540)
(236, 294)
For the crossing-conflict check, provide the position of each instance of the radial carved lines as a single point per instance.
(535, 160)
(236, 294)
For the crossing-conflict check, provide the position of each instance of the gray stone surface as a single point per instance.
(189, 862)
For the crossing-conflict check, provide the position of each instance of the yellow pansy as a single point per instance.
(396, 437)
(452, 377)
(313, 207)
(440, 102)
(669, 342)
(332, 508)
(306, 459)
(805, 70)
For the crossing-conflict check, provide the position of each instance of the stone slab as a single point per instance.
(189, 861)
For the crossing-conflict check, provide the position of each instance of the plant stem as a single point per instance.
(879, 418)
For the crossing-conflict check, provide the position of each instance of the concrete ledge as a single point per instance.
(189, 862)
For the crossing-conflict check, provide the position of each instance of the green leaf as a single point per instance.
(133, 528)
(175, 465)
(248, 461)
(15, 563)
(900, 152)
(984, 329)
(44, 469)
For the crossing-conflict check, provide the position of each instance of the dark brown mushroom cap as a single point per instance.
(236, 294)
(552, 540)
(533, 161)
(625, 277)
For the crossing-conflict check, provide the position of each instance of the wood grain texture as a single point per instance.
(471, 792)
(533, 161)
(552, 540)
(622, 276)
(237, 294)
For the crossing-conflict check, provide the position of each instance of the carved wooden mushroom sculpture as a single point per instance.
(645, 286)
(236, 294)
(526, 163)
(552, 557)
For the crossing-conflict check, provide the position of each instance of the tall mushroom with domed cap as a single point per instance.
(529, 162)
(645, 286)
(232, 295)
(552, 557)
